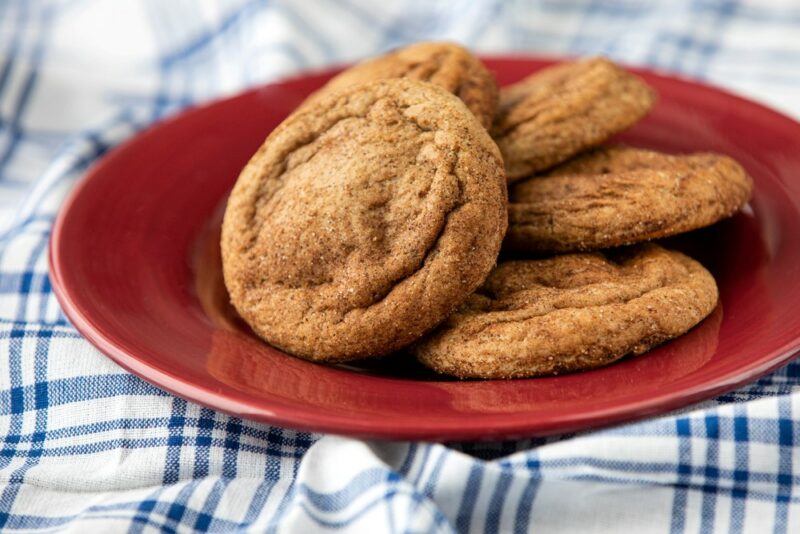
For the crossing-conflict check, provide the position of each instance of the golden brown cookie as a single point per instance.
(571, 313)
(447, 65)
(363, 222)
(560, 111)
(620, 195)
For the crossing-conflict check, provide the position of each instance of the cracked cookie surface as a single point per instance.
(560, 111)
(447, 65)
(363, 221)
(621, 195)
(570, 313)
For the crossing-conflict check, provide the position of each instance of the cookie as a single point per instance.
(620, 195)
(560, 111)
(444, 64)
(364, 221)
(682, 356)
(571, 313)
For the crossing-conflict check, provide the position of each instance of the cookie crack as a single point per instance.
(523, 316)
(434, 244)
(255, 219)
(601, 90)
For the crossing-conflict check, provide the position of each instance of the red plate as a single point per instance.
(135, 265)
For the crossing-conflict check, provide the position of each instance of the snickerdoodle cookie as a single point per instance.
(444, 64)
(570, 313)
(364, 220)
(620, 195)
(560, 111)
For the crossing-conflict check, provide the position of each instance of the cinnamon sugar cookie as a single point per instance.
(571, 313)
(447, 65)
(560, 111)
(364, 221)
(620, 195)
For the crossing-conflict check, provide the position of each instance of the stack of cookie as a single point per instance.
(371, 220)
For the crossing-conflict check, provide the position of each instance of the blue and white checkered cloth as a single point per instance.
(85, 446)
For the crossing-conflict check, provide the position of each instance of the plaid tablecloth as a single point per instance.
(85, 446)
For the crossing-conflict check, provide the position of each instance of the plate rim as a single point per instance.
(302, 418)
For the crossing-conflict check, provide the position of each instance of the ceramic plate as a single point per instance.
(135, 264)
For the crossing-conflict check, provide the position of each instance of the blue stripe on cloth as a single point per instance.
(340, 499)
(172, 461)
(497, 501)
(627, 469)
(786, 443)
(229, 22)
(684, 469)
(136, 443)
(300, 440)
(411, 452)
(420, 468)
(352, 517)
(177, 509)
(142, 517)
(283, 506)
(433, 478)
(15, 405)
(390, 488)
(11, 54)
(14, 125)
(740, 473)
(27, 278)
(175, 426)
(469, 498)
(525, 505)
(17, 330)
(390, 521)
(153, 513)
(272, 474)
(82, 388)
(205, 518)
(202, 443)
(711, 473)
(17, 477)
